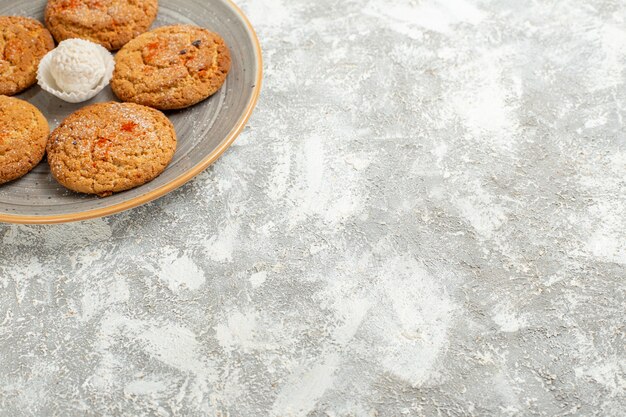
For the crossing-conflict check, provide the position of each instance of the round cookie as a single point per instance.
(23, 136)
(171, 67)
(23, 42)
(111, 23)
(110, 147)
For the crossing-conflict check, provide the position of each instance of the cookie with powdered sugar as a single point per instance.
(171, 67)
(23, 136)
(111, 23)
(23, 43)
(111, 147)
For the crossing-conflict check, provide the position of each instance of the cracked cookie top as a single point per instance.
(171, 67)
(23, 42)
(23, 136)
(110, 147)
(111, 23)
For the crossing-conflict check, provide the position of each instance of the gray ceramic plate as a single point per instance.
(204, 131)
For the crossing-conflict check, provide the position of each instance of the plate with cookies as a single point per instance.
(106, 105)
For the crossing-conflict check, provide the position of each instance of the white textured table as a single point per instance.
(426, 216)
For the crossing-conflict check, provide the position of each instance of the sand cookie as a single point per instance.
(23, 136)
(171, 67)
(23, 42)
(111, 23)
(110, 147)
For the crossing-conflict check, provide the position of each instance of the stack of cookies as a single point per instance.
(108, 147)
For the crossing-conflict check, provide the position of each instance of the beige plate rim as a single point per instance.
(177, 182)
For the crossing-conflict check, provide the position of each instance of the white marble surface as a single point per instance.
(424, 217)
